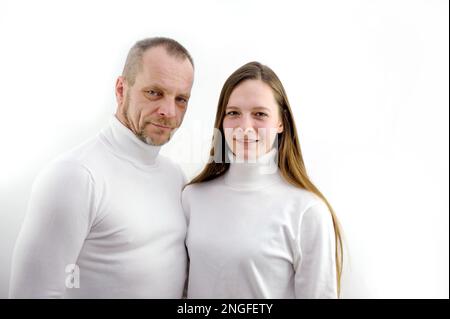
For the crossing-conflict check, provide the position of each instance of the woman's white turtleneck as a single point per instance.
(113, 208)
(253, 235)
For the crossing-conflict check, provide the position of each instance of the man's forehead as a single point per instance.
(159, 59)
(159, 68)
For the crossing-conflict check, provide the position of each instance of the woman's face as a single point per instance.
(252, 120)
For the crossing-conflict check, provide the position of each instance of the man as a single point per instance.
(105, 220)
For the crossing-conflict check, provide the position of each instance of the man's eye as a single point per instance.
(153, 93)
(182, 100)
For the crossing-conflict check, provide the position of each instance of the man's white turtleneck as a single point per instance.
(253, 235)
(112, 208)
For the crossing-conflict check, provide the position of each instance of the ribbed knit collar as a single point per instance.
(251, 175)
(125, 144)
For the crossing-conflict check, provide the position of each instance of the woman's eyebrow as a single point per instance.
(253, 108)
(261, 108)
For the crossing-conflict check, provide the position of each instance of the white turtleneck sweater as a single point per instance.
(253, 235)
(112, 207)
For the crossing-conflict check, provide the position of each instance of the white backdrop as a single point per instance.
(368, 82)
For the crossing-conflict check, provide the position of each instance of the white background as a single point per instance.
(367, 80)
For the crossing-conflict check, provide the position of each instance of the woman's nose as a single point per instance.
(246, 125)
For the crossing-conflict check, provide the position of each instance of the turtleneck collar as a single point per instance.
(122, 141)
(260, 173)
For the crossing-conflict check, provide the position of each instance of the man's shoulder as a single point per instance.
(65, 169)
(85, 152)
(74, 162)
(172, 169)
(167, 163)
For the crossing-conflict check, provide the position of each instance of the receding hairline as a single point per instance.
(133, 63)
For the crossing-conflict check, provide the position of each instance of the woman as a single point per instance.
(257, 226)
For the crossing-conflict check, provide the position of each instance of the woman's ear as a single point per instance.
(280, 127)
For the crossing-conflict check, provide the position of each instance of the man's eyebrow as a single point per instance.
(161, 88)
(153, 87)
(185, 95)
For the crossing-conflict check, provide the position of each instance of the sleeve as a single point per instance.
(59, 216)
(315, 269)
(183, 176)
(185, 203)
(186, 209)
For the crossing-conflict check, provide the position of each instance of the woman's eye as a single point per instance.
(232, 113)
(261, 114)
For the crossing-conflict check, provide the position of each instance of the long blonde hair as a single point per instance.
(290, 159)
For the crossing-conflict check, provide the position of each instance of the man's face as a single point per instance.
(154, 106)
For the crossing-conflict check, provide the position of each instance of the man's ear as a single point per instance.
(120, 90)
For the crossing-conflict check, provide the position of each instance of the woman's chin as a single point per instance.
(247, 155)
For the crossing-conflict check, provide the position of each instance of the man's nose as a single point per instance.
(167, 108)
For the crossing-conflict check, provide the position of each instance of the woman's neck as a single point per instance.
(255, 174)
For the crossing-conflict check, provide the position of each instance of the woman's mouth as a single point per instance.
(245, 140)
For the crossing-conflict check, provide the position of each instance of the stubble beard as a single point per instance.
(140, 134)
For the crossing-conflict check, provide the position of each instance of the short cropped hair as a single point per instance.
(133, 63)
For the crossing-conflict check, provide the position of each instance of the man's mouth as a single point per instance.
(161, 126)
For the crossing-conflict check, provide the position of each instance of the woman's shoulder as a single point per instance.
(195, 188)
(198, 192)
(301, 198)
(309, 211)
(298, 193)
